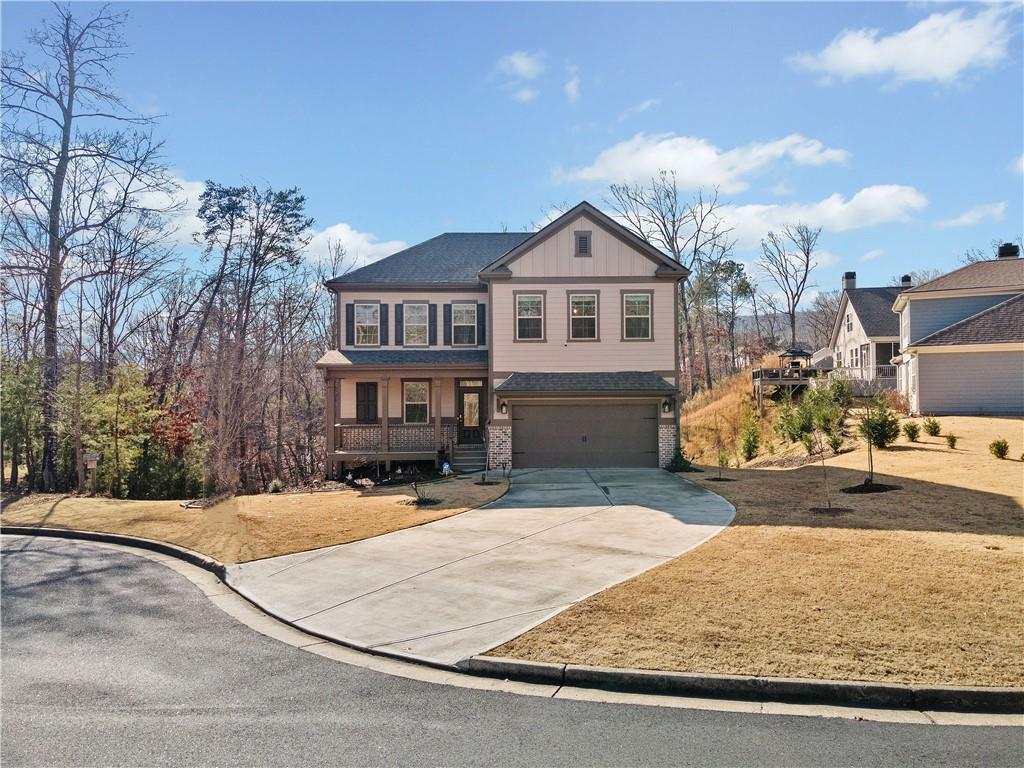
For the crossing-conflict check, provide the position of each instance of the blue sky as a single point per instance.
(898, 128)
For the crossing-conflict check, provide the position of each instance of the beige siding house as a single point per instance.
(554, 348)
(962, 339)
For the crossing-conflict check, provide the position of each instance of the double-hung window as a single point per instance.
(636, 316)
(849, 322)
(367, 319)
(530, 316)
(415, 325)
(583, 316)
(416, 402)
(464, 325)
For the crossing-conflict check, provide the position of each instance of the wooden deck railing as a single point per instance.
(867, 373)
(787, 375)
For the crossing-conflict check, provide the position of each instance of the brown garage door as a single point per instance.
(581, 435)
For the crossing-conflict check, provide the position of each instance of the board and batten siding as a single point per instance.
(928, 315)
(971, 383)
(555, 255)
(392, 298)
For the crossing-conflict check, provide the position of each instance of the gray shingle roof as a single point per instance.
(454, 257)
(996, 325)
(397, 358)
(874, 309)
(610, 382)
(997, 273)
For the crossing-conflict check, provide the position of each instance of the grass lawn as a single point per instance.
(252, 527)
(924, 584)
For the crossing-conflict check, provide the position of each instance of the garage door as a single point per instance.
(971, 382)
(585, 435)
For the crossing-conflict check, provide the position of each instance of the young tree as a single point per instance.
(790, 267)
(73, 159)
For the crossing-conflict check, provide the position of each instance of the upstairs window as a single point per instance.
(367, 318)
(583, 243)
(464, 325)
(636, 316)
(416, 402)
(530, 317)
(415, 325)
(849, 322)
(582, 316)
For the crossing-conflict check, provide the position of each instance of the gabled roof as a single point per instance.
(398, 358)
(996, 325)
(454, 257)
(590, 382)
(874, 311)
(995, 273)
(667, 266)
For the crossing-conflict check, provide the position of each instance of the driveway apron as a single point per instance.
(457, 587)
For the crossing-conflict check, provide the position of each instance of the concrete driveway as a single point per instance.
(460, 586)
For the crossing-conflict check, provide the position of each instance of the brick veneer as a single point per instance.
(411, 437)
(499, 446)
(360, 437)
(668, 439)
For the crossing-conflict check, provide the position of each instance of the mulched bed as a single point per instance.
(871, 488)
(833, 512)
(721, 479)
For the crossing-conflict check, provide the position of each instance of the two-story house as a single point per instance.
(962, 339)
(556, 348)
(865, 335)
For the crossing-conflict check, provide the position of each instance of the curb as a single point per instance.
(207, 563)
(780, 689)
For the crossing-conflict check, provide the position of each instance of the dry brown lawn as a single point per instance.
(924, 584)
(252, 527)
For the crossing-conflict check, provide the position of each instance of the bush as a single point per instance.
(723, 459)
(750, 438)
(835, 440)
(911, 431)
(879, 426)
(841, 393)
(932, 428)
(999, 448)
(276, 486)
(808, 442)
(895, 401)
(951, 441)
(679, 461)
(793, 422)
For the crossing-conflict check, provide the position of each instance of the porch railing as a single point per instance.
(866, 373)
(785, 374)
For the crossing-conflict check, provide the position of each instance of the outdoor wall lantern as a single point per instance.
(667, 405)
(502, 407)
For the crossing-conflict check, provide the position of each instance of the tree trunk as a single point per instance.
(792, 328)
(705, 348)
(691, 350)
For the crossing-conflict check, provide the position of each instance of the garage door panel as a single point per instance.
(971, 383)
(581, 435)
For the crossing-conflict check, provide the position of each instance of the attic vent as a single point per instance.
(583, 244)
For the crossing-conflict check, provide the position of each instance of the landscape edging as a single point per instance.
(796, 690)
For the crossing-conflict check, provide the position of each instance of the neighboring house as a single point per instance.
(866, 335)
(553, 349)
(962, 339)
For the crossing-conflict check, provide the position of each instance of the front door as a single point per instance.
(470, 400)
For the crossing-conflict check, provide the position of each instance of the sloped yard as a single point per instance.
(251, 527)
(920, 585)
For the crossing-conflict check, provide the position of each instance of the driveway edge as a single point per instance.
(982, 700)
(796, 690)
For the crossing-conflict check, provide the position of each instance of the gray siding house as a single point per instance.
(962, 339)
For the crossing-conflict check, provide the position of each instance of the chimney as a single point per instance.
(849, 280)
(1008, 251)
(906, 282)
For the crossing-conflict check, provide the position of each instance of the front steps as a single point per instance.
(467, 459)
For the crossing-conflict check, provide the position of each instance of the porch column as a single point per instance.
(383, 387)
(329, 420)
(435, 398)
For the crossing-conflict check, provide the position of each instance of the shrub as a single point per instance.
(679, 461)
(276, 486)
(951, 440)
(750, 438)
(793, 422)
(932, 427)
(879, 426)
(835, 440)
(841, 393)
(999, 448)
(911, 431)
(723, 459)
(808, 442)
(895, 401)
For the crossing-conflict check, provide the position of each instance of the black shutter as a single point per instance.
(399, 324)
(350, 324)
(481, 323)
(432, 324)
(383, 325)
(447, 324)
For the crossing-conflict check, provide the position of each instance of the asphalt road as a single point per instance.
(111, 659)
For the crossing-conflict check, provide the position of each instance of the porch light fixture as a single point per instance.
(502, 407)
(667, 405)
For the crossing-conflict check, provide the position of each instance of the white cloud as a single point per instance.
(572, 85)
(638, 109)
(826, 258)
(870, 206)
(939, 48)
(782, 189)
(975, 215)
(525, 94)
(522, 65)
(362, 247)
(873, 254)
(697, 162)
(1019, 165)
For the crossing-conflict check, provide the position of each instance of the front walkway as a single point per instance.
(460, 586)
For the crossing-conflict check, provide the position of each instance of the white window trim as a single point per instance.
(407, 402)
(650, 319)
(356, 323)
(455, 325)
(406, 324)
(849, 322)
(597, 333)
(540, 317)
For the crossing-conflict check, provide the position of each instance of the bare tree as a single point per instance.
(790, 268)
(822, 317)
(66, 172)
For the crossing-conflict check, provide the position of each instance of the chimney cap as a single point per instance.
(1008, 251)
(849, 275)
(906, 281)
